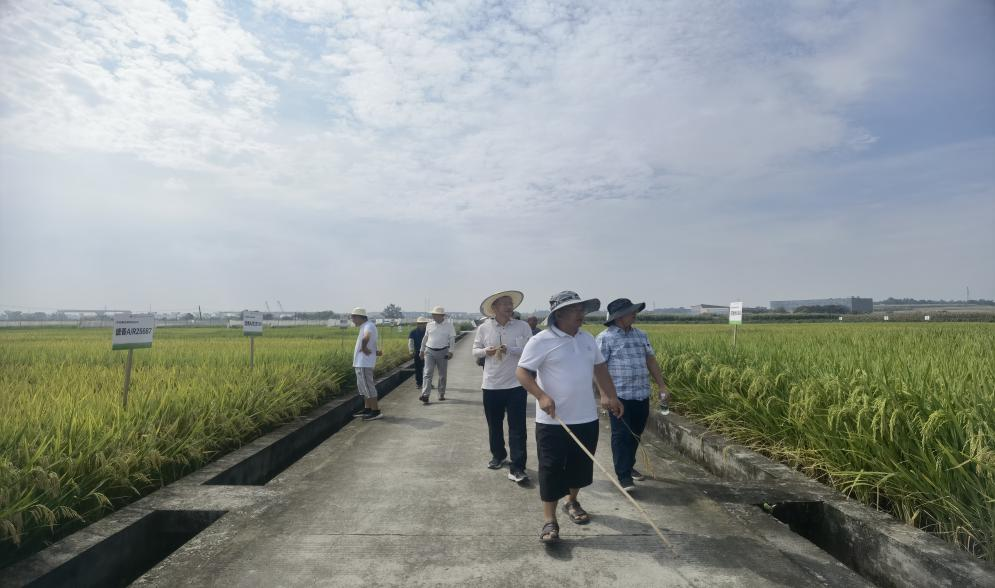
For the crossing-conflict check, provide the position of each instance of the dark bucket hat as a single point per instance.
(620, 307)
(569, 298)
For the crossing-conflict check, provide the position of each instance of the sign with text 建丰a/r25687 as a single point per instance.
(133, 331)
(252, 324)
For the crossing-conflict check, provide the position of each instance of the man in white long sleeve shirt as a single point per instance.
(500, 340)
(437, 350)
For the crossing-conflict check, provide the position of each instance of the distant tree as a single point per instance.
(188, 317)
(392, 311)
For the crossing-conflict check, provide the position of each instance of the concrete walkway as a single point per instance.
(408, 501)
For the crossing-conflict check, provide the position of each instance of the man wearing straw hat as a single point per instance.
(631, 360)
(364, 359)
(556, 368)
(436, 350)
(414, 347)
(499, 341)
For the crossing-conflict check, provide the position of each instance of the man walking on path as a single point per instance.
(556, 368)
(414, 347)
(436, 350)
(364, 359)
(631, 359)
(499, 341)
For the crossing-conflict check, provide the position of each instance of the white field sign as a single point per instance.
(735, 313)
(133, 331)
(252, 324)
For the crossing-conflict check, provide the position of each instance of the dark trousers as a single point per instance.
(496, 403)
(562, 464)
(624, 443)
(419, 368)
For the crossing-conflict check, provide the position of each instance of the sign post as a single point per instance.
(735, 318)
(252, 327)
(131, 332)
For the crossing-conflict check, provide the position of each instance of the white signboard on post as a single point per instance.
(252, 324)
(133, 331)
(735, 313)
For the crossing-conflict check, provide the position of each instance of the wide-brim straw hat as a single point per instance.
(621, 307)
(359, 311)
(438, 310)
(421, 320)
(570, 298)
(516, 299)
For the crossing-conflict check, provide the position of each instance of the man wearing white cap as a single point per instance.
(436, 350)
(364, 359)
(556, 368)
(499, 341)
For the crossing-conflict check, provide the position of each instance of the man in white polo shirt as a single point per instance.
(437, 350)
(556, 368)
(499, 341)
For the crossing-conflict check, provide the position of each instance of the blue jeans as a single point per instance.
(624, 443)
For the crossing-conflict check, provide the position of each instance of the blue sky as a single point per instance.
(335, 154)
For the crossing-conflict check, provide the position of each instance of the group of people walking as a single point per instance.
(556, 366)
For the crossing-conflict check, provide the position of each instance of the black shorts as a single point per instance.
(562, 464)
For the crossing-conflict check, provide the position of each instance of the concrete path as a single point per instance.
(408, 501)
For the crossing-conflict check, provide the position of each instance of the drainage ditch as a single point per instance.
(124, 556)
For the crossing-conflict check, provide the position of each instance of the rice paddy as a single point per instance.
(69, 451)
(901, 417)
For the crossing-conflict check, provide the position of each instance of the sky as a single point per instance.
(165, 155)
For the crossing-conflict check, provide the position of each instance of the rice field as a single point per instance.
(70, 453)
(901, 417)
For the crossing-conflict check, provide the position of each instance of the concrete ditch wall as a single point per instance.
(879, 547)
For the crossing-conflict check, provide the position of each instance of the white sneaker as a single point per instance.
(517, 476)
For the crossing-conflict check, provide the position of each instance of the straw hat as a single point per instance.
(438, 310)
(516, 299)
(421, 320)
(359, 311)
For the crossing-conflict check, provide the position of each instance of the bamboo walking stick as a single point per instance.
(617, 485)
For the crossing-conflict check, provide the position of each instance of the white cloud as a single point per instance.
(311, 118)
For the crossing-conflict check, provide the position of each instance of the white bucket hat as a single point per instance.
(485, 306)
(569, 298)
(421, 320)
(359, 311)
(438, 310)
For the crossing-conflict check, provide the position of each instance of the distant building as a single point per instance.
(709, 309)
(854, 304)
(669, 310)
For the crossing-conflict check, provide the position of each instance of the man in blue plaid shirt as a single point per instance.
(631, 361)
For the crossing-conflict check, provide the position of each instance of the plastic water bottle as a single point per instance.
(665, 405)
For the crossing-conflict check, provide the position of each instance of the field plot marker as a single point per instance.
(131, 332)
(252, 327)
(735, 318)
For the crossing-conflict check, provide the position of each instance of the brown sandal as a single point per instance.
(550, 532)
(577, 514)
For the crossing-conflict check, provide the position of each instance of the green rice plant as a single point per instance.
(901, 417)
(69, 451)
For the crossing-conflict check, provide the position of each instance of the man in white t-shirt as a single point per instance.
(499, 341)
(364, 359)
(556, 368)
